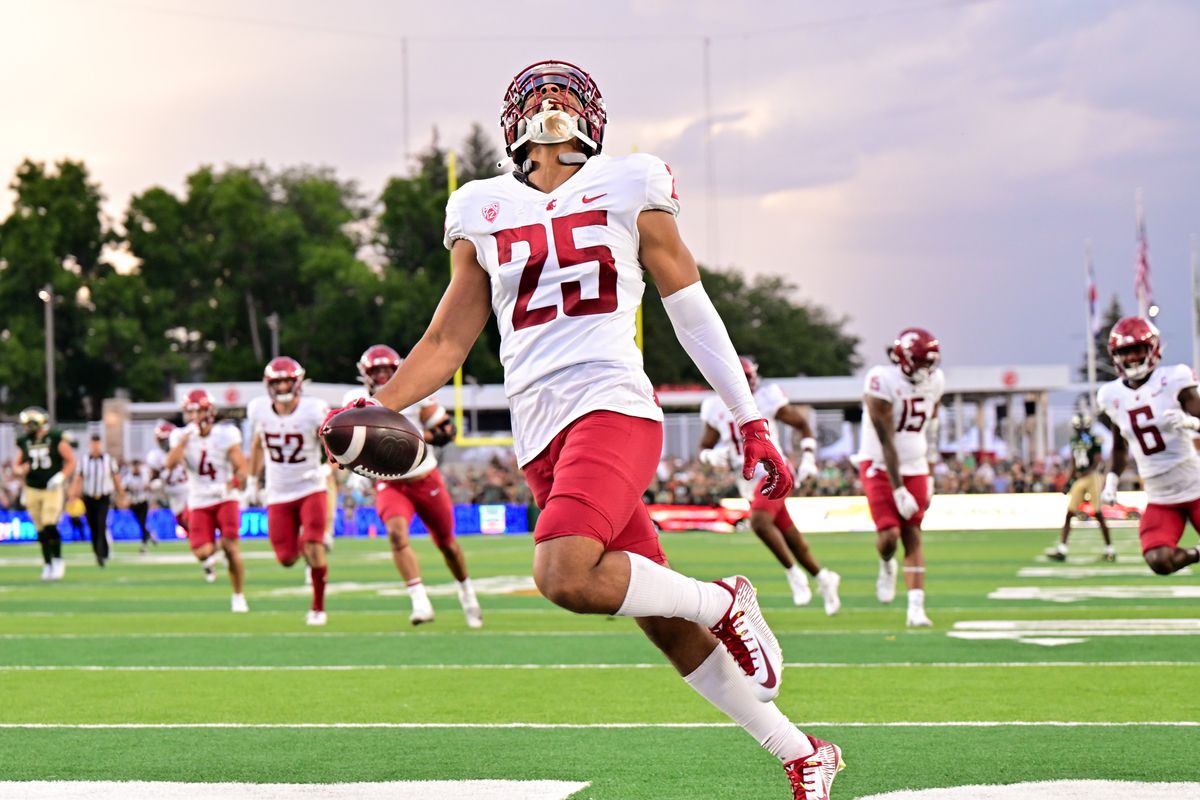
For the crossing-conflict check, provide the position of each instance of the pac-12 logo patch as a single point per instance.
(491, 211)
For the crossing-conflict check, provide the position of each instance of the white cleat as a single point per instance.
(885, 585)
(58, 569)
(828, 582)
(801, 592)
(421, 613)
(812, 776)
(918, 619)
(474, 615)
(237, 604)
(315, 617)
(47, 572)
(749, 640)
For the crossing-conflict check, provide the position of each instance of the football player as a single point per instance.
(1156, 411)
(721, 447)
(212, 455)
(286, 427)
(559, 249)
(421, 492)
(899, 438)
(45, 461)
(170, 485)
(1086, 484)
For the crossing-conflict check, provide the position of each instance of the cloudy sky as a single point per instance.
(905, 162)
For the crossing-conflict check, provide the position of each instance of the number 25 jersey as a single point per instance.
(1166, 459)
(566, 284)
(913, 407)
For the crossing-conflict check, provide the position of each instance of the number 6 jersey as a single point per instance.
(913, 406)
(291, 450)
(1166, 459)
(566, 284)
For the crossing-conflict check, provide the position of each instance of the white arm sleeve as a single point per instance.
(703, 335)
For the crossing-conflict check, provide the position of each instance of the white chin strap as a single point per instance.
(281, 397)
(1137, 371)
(551, 126)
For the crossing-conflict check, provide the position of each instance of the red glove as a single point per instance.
(356, 403)
(758, 448)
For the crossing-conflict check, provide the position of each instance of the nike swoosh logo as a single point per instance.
(587, 199)
(434, 492)
(770, 681)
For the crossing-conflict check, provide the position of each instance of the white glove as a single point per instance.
(716, 457)
(251, 494)
(906, 504)
(359, 483)
(1108, 495)
(930, 485)
(807, 467)
(56, 481)
(1178, 420)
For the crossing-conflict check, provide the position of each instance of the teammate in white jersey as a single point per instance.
(721, 447)
(285, 427)
(422, 492)
(216, 468)
(169, 485)
(899, 439)
(558, 250)
(1157, 412)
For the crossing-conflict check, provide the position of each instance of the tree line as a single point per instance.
(192, 287)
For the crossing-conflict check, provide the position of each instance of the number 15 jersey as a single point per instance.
(566, 284)
(913, 407)
(1166, 459)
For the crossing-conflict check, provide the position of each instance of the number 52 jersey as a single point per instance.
(566, 283)
(292, 452)
(1166, 459)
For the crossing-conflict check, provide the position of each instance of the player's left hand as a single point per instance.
(807, 468)
(442, 433)
(759, 449)
(1178, 420)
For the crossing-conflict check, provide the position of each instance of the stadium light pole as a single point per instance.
(46, 295)
(273, 326)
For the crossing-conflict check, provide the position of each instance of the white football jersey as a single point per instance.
(1166, 459)
(174, 481)
(206, 459)
(292, 449)
(413, 412)
(913, 406)
(714, 413)
(566, 284)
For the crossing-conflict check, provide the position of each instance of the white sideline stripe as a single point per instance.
(572, 725)
(1052, 790)
(466, 667)
(390, 790)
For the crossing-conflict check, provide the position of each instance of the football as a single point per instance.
(374, 442)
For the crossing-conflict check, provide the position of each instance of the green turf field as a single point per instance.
(139, 672)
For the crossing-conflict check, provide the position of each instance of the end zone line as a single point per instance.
(573, 725)
(354, 667)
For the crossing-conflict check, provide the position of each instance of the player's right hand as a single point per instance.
(715, 457)
(358, 402)
(759, 449)
(1108, 495)
(251, 495)
(906, 504)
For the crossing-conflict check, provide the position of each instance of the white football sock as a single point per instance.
(796, 575)
(416, 591)
(1061, 547)
(719, 681)
(466, 593)
(916, 598)
(655, 591)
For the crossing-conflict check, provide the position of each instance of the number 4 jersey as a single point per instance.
(291, 449)
(207, 461)
(1166, 459)
(913, 407)
(566, 284)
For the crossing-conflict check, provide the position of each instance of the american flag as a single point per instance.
(1091, 295)
(1141, 272)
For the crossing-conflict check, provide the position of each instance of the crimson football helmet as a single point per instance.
(526, 119)
(162, 433)
(916, 352)
(1135, 347)
(199, 407)
(750, 367)
(281, 370)
(373, 358)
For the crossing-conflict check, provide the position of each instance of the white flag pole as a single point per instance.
(1195, 310)
(1089, 324)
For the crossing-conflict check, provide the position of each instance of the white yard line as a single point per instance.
(600, 666)
(574, 725)
(389, 790)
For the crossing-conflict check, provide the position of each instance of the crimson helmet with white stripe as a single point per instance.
(916, 352)
(527, 119)
(283, 370)
(374, 357)
(199, 407)
(750, 367)
(162, 430)
(1135, 347)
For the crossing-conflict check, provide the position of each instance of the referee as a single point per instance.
(100, 478)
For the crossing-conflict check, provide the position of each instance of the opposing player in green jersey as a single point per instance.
(46, 462)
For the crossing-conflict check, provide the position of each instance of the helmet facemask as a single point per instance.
(549, 103)
(1134, 361)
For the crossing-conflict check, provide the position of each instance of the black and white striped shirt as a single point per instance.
(98, 474)
(136, 483)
